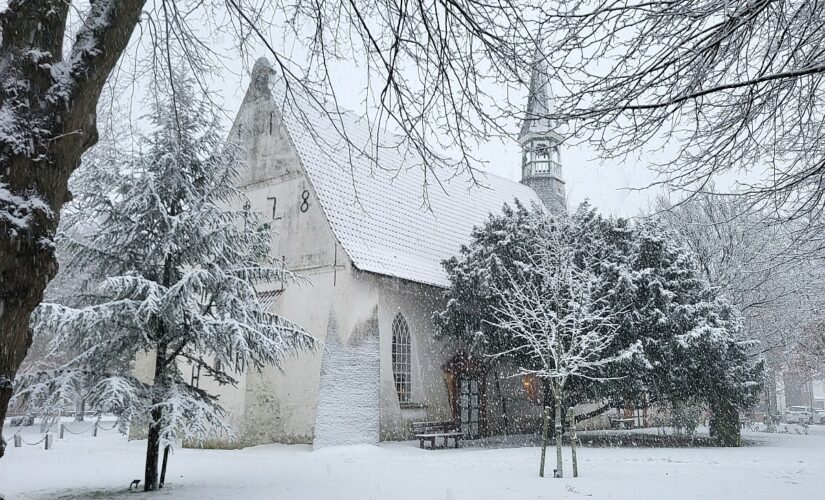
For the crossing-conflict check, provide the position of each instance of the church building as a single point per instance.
(354, 223)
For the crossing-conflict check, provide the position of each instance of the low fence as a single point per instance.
(48, 438)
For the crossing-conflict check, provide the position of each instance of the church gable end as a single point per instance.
(277, 185)
(259, 127)
(373, 198)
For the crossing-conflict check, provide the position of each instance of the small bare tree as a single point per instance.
(560, 317)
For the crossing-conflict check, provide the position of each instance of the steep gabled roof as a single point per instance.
(378, 214)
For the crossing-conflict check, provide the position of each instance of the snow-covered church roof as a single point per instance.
(378, 214)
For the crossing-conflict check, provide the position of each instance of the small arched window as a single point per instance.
(401, 358)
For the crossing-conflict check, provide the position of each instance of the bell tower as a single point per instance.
(540, 160)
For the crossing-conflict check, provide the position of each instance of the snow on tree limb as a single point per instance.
(712, 86)
(179, 269)
(556, 313)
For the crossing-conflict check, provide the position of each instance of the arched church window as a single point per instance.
(401, 358)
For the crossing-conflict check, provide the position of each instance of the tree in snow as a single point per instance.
(692, 343)
(806, 362)
(179, 270)
(76, 283)
(555, 311)
(730, 86)
(502, 248)
(771, 276)
(58, 55)
(692, 337)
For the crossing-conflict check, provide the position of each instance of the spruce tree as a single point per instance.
(691, 335)
(179, 260)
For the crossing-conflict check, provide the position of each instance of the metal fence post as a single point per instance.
(62, 429)
(48, 441)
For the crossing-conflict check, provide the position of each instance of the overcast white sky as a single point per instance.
(609, 185)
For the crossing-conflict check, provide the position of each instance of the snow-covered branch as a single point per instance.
(556, 311)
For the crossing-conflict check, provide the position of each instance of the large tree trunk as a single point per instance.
(48, 105)
(150, 481)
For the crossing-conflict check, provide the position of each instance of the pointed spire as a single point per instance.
(541, 167)
(539, 99)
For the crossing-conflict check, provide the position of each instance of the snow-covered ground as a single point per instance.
(782, 466)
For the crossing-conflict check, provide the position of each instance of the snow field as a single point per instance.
(80, 467)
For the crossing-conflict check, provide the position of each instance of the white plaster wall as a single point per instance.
(819, 393)
(780, 393)
(231, 398)
(281, 405)
(143, 367)
(416, 303)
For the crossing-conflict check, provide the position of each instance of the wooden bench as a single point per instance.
(20, 419)
(617, 422)
(430, 431)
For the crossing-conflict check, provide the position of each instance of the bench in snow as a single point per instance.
(430, 431)
(617, 422)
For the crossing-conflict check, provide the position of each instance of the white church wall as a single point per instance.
(348, 392)
(258, 126)
(429, 391)
(231, 399)
(281, 405)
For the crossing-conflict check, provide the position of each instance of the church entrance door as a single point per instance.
(469, 405)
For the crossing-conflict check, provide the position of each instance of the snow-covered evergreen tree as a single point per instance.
(765, 270)
(690, 337)
(503, 247)
(179, 265)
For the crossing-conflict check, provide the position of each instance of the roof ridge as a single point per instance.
(378, 214)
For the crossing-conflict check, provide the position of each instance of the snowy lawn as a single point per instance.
(781, 466)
